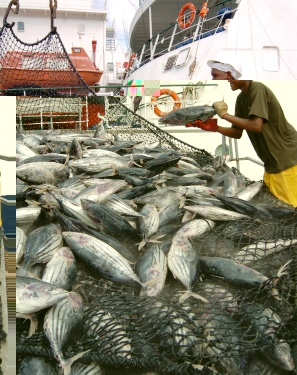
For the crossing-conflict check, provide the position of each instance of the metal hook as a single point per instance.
(53, 9)
(15, 11)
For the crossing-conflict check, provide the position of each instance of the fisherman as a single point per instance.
(274, 139)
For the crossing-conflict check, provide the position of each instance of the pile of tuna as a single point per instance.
(133, 255)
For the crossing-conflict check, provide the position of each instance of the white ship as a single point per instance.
(174, 40)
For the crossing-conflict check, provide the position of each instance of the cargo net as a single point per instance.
(39, 69)
(236, 316)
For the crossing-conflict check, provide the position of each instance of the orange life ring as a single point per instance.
(131, 61)
(173, 95)
(184, 25)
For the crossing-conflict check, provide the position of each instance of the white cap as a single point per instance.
(227, 63)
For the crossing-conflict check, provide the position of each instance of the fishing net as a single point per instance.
(223, 326)
(39, 69)
(124, 330)
(228, 329)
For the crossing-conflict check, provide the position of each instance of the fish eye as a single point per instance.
(35, 295)
(283, 350)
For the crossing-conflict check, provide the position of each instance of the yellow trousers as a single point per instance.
(283, 185)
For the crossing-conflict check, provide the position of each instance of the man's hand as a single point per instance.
(209, 125)
(221, 108)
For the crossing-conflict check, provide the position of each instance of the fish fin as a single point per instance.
(33, 322)
(282, 270)
(33, 325)
(188, 294)
(32, 203)
(182, 202)
(152, 281)
(142, 244)
(66, 364)
(67, 158)
(184, 297)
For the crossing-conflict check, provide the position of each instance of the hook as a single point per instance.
(53, 9)
(15, 11)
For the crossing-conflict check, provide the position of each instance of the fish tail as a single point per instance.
(67, 363)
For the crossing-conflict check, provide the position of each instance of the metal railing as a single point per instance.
(172, 38)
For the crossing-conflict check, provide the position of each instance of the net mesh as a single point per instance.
(39, 69)
(223, 327)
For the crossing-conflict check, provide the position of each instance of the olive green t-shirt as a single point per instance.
(276, 145)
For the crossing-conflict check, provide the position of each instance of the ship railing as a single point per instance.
(173, 38)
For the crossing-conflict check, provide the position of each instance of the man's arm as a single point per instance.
(230, 132)
(253, 124)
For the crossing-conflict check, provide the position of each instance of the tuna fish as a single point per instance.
(262, 249)
(262, 324)
(21, 239)
(183, 261)
(215, 213)
(38, 366)
(34, 295)
(151, 268)
(40, 173)
(61, 269)
(113, 336)
(101, 257)
(41, 244)
(232, 272)
(185, 115)
(108, 220)
(59, 322)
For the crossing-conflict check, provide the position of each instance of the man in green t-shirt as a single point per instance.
(274, 139)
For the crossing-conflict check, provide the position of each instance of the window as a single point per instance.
(110, 39)
(21, 26)
(110, 67)
(81, 30)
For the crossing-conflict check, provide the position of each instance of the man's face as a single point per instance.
(219, 75)
(236, 84)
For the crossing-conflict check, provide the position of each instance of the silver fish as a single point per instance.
(34, 295)
(101, 257)
(38, 366)
(250, 191)
(151, 268)
(148, 223)
(215, 213)
(61, 269)
(21, 239)
(75, 210)
(110, 330)
(195, 228)
(261, 249)
(59, 322)
(100, 193)
(185, 115)
(46, 172)
(96, 164)
(183, 261)
(41, 244)
(22, 149)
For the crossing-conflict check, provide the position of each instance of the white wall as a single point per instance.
(7, 144)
